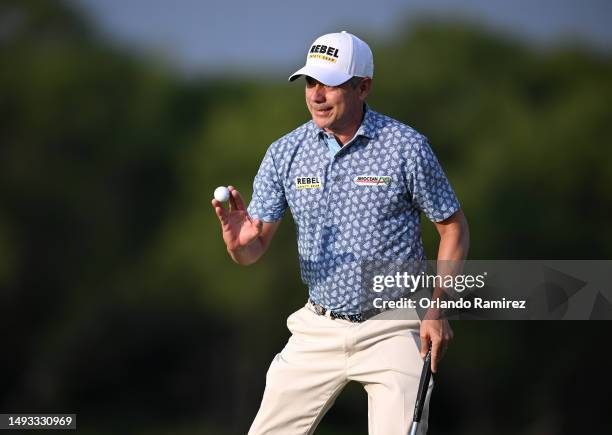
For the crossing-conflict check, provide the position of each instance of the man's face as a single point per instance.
(335, 108)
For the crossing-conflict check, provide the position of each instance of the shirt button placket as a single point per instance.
(332, 178)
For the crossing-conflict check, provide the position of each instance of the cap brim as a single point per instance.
(326, 76)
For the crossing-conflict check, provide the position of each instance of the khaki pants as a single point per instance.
(323, 355)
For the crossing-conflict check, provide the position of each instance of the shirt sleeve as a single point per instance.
(431, 190)
(268, 202)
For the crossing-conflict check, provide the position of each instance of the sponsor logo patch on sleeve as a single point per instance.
(312, 182)
(372, 180)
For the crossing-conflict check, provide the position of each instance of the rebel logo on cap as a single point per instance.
(324, 52)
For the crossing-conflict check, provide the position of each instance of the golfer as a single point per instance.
(356, 182)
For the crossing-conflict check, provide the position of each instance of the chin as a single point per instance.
(322, 122)
(319, 123)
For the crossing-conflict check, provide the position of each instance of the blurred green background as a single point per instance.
(118, 301)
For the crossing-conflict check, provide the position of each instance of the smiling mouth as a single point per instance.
(322, 111)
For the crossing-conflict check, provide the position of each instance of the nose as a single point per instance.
(318, 93)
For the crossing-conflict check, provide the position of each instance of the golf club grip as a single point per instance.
(423, 386)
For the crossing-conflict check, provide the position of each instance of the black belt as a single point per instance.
(320, 310)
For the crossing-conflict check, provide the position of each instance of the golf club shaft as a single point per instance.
(422, 393)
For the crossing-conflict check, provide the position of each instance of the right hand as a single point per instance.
(239, 230)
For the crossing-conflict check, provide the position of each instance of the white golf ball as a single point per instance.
(222, 193)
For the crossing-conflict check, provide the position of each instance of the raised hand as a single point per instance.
(239, 230)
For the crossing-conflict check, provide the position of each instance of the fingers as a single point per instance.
(436, 354)
(425, 343)
(437, 334)
(235, 203)
(258, 226)
(220, 211)
(235, 199)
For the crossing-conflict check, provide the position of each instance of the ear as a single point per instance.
(364, 88)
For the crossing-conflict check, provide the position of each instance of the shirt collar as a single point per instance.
(366, 129)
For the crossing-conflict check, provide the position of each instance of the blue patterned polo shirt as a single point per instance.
(352, 205)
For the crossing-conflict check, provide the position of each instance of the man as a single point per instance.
(356, 182)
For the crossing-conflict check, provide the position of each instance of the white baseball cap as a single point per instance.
(335, 58)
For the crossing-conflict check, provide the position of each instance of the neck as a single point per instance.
(343, 138)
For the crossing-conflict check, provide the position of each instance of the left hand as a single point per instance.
(437, 334)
